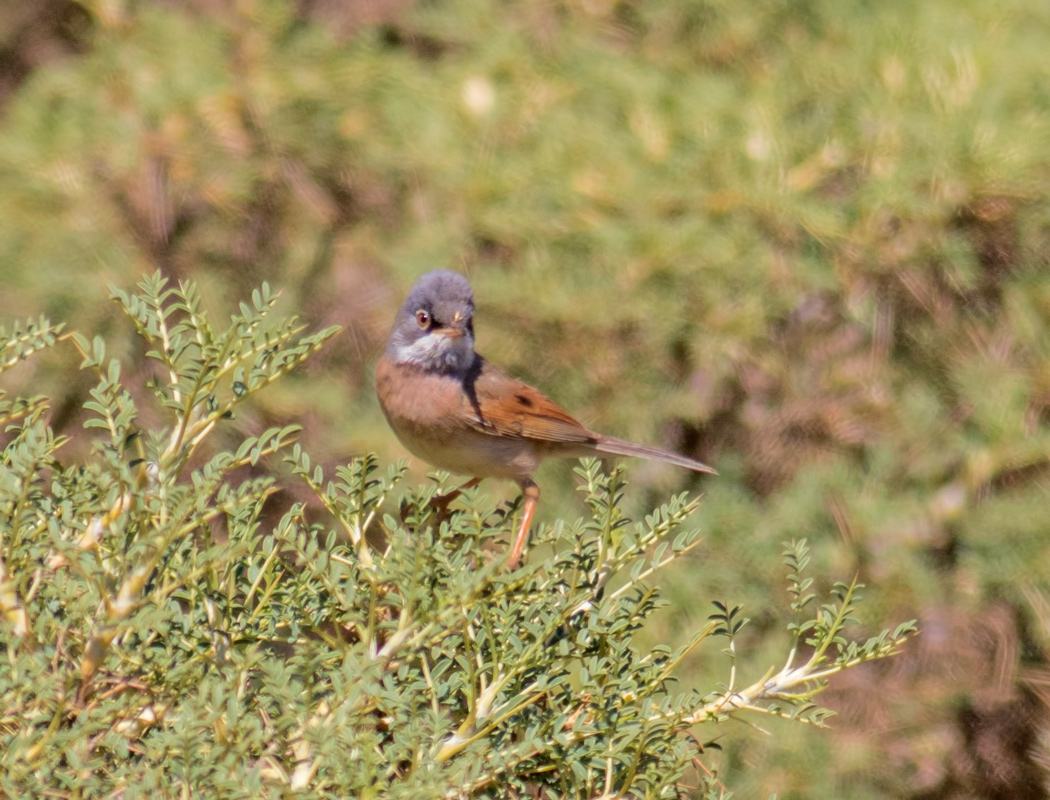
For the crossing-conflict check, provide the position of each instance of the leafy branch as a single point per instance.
(156, 597)
(789, 691)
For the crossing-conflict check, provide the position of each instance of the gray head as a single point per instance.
(434, 328)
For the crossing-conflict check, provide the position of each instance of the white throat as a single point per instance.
(438, 352)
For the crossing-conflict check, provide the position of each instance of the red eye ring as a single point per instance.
(423, 318)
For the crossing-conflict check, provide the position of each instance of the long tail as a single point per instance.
(618, 447)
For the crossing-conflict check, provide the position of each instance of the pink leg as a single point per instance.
(532, 497)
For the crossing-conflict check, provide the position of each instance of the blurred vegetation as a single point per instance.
(805, 242)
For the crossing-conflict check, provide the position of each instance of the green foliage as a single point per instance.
(166, 633)
(18, 345)
(805, 241)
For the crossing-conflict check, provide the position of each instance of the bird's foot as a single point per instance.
(439, 504)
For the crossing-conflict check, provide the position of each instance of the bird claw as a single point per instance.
(438, 504)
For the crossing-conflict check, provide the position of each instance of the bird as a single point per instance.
(453, 409)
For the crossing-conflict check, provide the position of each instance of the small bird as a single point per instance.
(453, 409)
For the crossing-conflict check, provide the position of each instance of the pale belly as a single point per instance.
(466, 452)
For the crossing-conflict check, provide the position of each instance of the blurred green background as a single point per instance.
(803, 241)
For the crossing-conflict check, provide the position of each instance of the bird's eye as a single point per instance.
(423, 318)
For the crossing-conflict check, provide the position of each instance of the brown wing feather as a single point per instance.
(504, 406)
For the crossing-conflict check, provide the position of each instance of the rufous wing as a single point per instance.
(504, 406)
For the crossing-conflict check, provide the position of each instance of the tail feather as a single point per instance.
(619, 447)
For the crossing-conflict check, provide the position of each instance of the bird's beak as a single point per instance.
(457, 329)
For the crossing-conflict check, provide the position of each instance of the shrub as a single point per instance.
(168, 633)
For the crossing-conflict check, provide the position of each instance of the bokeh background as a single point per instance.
(805, 241)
